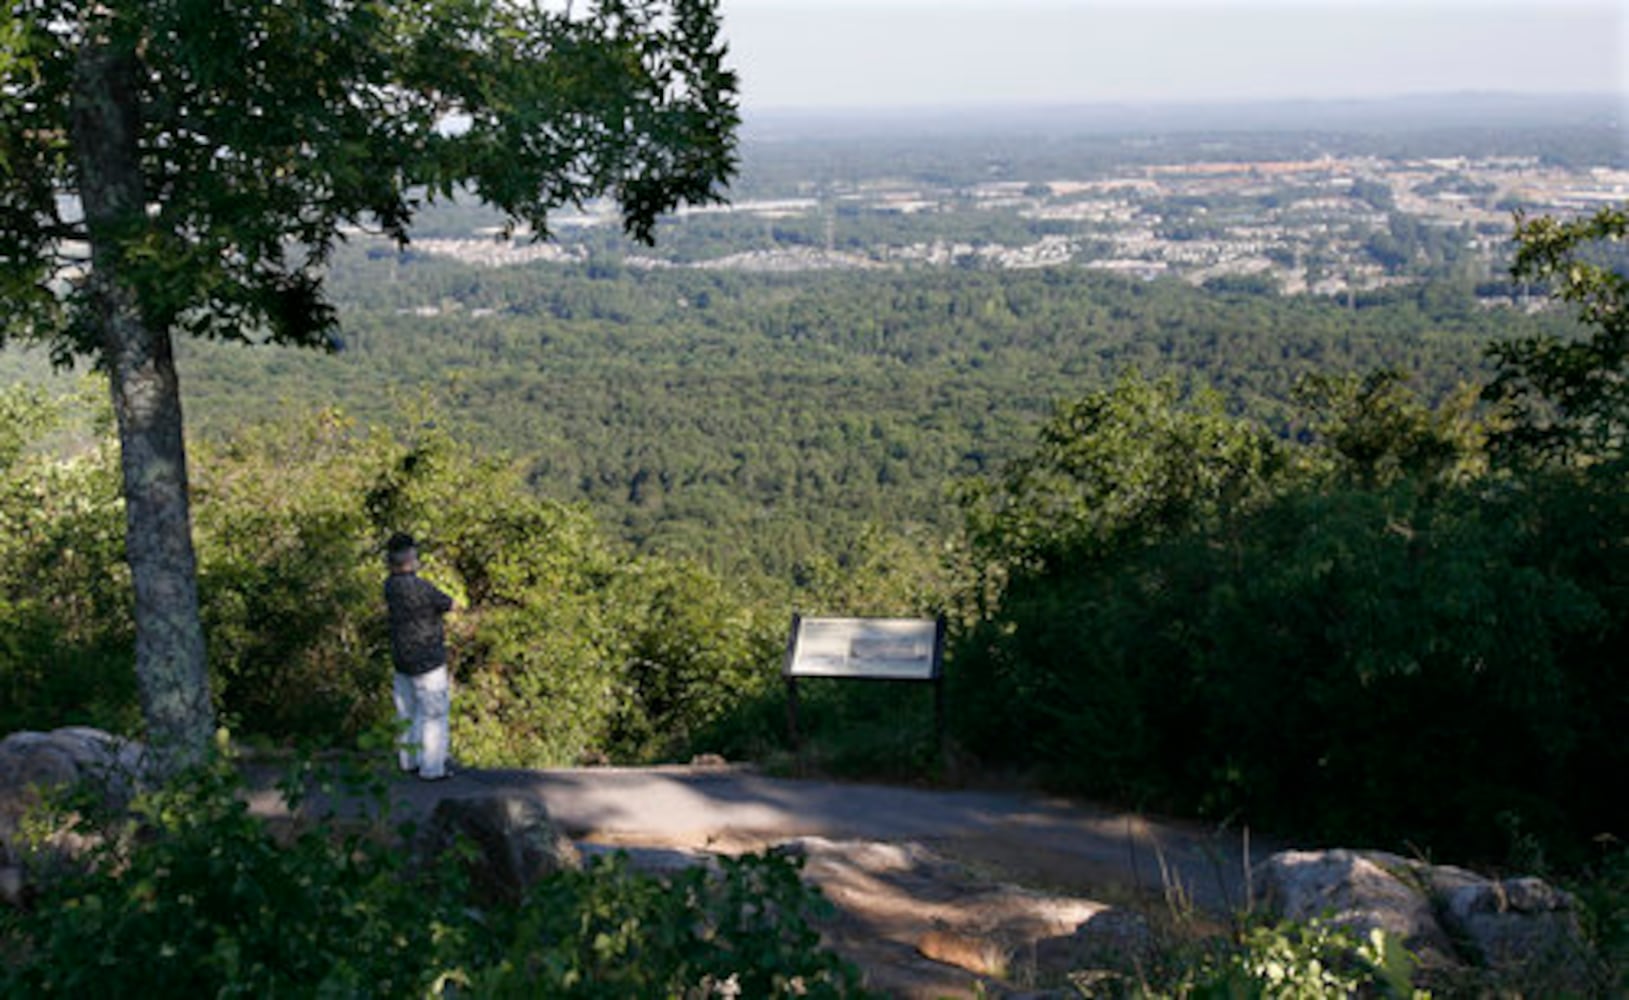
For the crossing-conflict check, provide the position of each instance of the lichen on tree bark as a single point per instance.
(171, 668)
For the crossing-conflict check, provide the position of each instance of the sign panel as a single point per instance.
(900, 649)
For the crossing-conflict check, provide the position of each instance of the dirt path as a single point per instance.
(981, 879)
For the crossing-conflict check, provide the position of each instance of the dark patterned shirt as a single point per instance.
(418, 644)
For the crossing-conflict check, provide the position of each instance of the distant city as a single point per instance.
(1326, 226)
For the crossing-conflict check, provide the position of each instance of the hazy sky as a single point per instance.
(911, 53)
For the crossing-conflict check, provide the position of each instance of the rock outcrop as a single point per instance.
(516, 843)
(1447, 916)
(924, 925)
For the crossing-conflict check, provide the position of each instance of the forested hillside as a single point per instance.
(760, 421)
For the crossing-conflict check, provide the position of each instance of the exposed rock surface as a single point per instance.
(922, 925)
(1509, 926)
(1358, 891)
(33, 765)
(1448, 916)
(1113, 938)
(516, 842)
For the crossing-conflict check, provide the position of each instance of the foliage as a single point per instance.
(858, 730)
(264, 127)
(1269, 613)
(1290, 656)
(1603, 895)
(762, 423)
(24, 413)
(1294, 961)
(1291, 661)
(1570, 396)
(289, 582)
(695, 654)
(610, 932)
(65, 629)
(566, 645)
(1113, 476)
(191, 895)
(1378, 431)
(569, 648)
(210, 157)
(535, 653)
(1123, 467)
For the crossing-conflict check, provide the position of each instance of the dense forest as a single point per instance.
(757, 421)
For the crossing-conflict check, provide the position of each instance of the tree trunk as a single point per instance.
(171, 669)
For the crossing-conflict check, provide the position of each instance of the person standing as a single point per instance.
(418, 649)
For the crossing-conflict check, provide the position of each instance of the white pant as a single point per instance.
(422, 701)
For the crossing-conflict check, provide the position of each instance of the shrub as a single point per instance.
(289, 583)
(1389, 645)
(1603, 893)
(609, 932)
(191, 896)
(1301, 961)
(66, 633)
(566, 645)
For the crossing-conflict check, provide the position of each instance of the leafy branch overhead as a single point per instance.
(268, 129)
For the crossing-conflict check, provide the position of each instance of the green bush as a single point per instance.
(289, 583)
(1295, 961)
(189, 895)
(570, 647)
(192, 896)
(565, 645)
(609, 932)
(1603, 895)
(66, 634)
(696, 653)
(1382, 644)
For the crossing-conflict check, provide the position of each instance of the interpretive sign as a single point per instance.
(870, 649)
(894, 649)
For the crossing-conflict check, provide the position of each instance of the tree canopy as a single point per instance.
(188, 166)
(264, 129)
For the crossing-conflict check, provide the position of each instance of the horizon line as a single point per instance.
(1198, 102)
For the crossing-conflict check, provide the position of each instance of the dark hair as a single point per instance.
(399, 551)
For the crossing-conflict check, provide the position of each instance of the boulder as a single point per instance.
(32, 764)
(1509, 925)
(1112, 939)
(516, 842)
(1358, 891)
(1447, 916)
